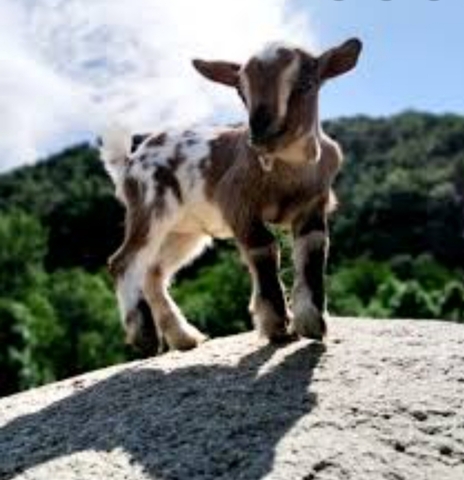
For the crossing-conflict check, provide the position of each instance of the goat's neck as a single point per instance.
(304, 150)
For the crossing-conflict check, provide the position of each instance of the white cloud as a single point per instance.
(66, 66)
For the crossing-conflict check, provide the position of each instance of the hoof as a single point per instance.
(283, 338)
(185, 338)
(310, 324)
(141, 333)
(271, 325)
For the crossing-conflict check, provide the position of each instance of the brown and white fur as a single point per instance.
(183, 188)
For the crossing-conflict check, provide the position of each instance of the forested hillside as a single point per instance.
(397, 248)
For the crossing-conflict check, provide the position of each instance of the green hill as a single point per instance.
(401, 190)
(397, 247)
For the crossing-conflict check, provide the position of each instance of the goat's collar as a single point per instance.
(266, 162)
(304, 150)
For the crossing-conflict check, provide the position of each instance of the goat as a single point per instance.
(181, 189)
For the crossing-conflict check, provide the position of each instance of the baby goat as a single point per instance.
(181, 189)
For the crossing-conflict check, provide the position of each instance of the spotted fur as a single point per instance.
(181, 189)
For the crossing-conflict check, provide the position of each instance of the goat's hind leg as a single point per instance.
(129, 266)
(136, 314)
(127, 270)
(177, 250)
(137, 226)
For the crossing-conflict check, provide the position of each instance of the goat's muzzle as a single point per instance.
(263, 127)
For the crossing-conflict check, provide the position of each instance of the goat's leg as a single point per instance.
(119, 260)
(136, 315)
(267, 306)
(133, 261)
(311, 242)
(176, 251)
(135, 237)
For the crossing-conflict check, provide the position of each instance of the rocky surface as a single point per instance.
(382, 400)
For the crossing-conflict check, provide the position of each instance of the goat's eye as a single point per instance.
(305, 84)
(307, 80)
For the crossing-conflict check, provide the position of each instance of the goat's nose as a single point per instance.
(260, 123)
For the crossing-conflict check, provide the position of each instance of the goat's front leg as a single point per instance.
(267, 305)
(170, 322)
(311, 243)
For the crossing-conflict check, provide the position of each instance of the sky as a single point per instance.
(70, 67)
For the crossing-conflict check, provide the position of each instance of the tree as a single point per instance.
(397, 248)
(452, 302)
(353, 286)
(22, 248)
(412, 301)
(216, 300)
(12, 340)
(90, 335)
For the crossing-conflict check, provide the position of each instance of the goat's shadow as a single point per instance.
(199, 422)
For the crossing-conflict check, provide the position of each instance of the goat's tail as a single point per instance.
(115, 147)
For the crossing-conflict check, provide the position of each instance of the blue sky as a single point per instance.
(67, 67)
(413, 55)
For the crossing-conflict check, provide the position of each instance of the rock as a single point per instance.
(382, 400)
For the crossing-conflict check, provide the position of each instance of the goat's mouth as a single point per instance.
(268, 143)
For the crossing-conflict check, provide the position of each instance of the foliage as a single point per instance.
(23, 246)
(404, 288)
(401, 188)
(93, 336)
(216, 299)
(72, 196)
(52, 325)
(397, 248)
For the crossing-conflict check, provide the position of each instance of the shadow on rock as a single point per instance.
(200, 422)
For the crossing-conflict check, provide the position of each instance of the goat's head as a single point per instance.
(279, 87)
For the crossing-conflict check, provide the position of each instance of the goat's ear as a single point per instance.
(217, 71)
(341, 59)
